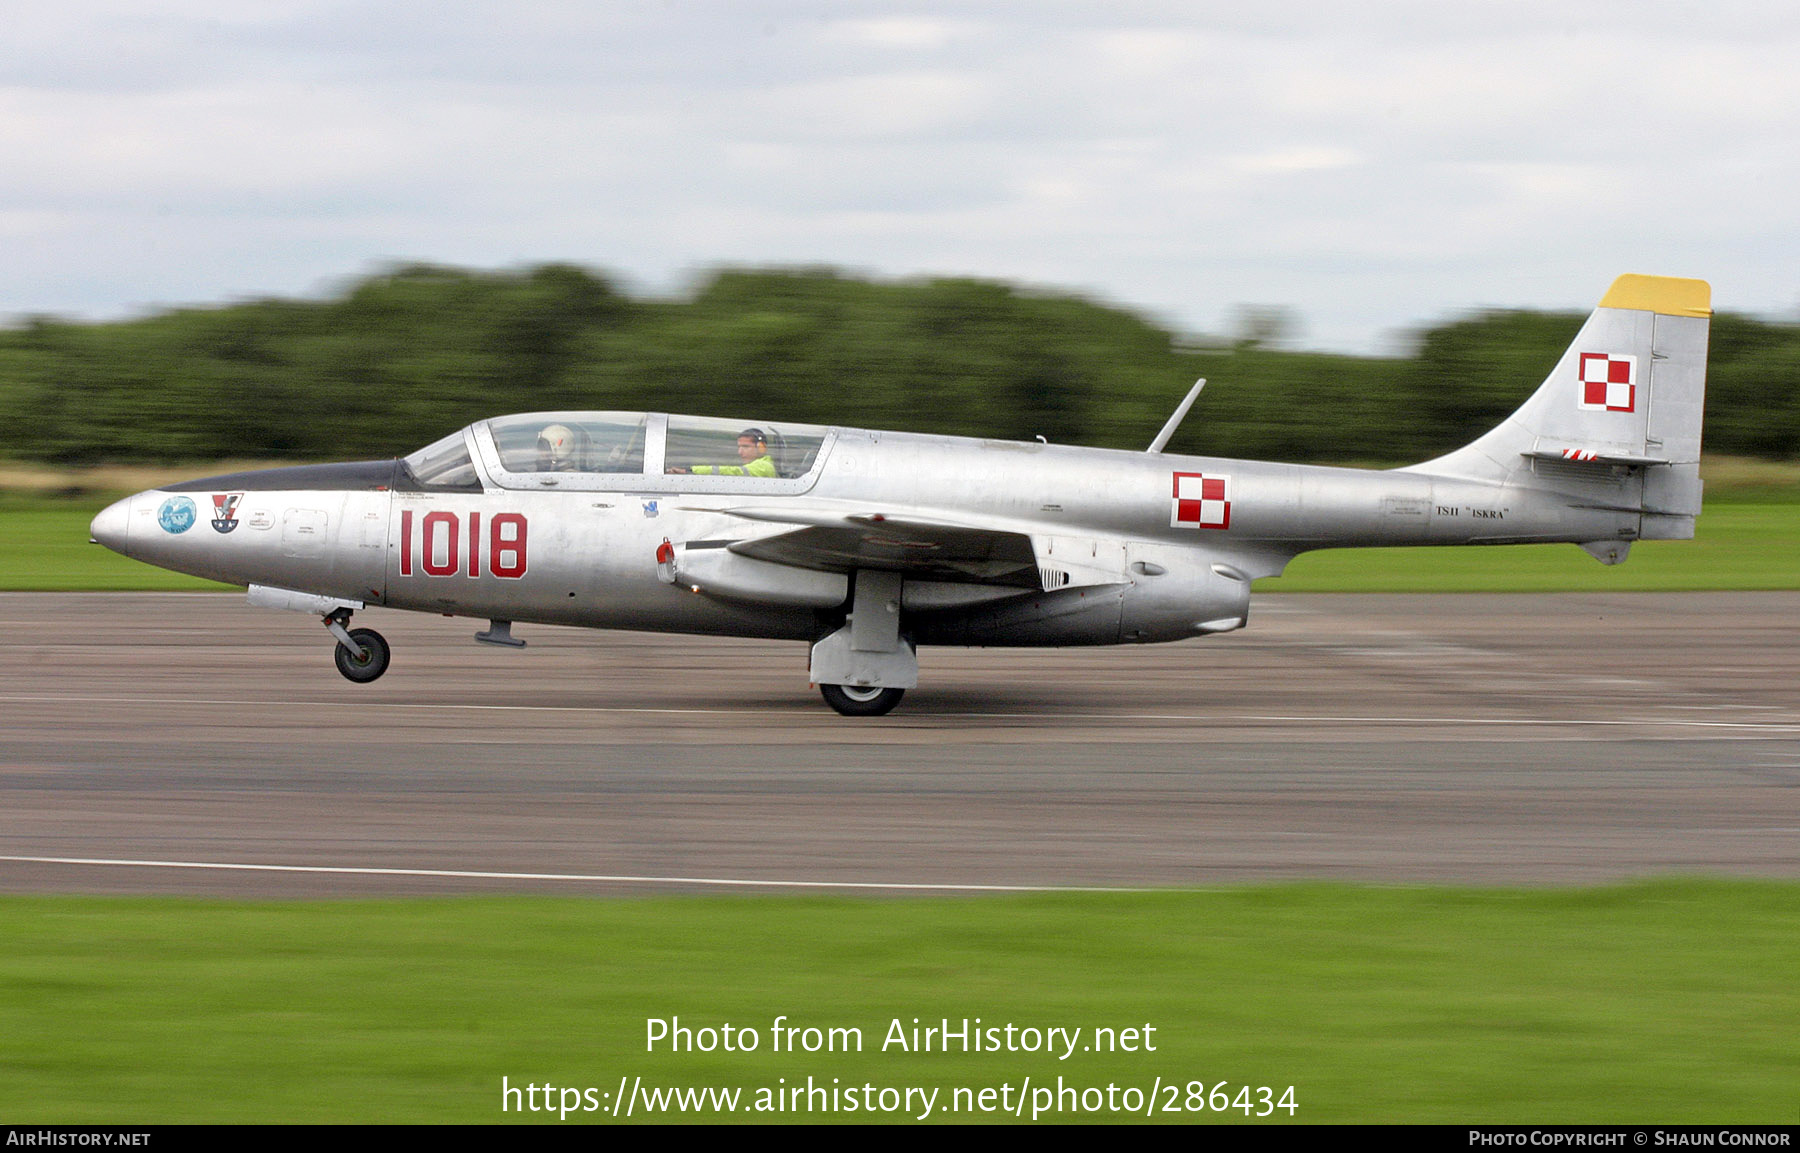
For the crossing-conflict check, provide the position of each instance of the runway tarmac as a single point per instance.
(1468, 738)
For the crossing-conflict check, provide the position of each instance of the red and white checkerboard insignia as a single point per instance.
(1201, 501)
(1608, 383)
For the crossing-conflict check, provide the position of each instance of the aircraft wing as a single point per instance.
(920, 548)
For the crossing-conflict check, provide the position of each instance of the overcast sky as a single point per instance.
(1370, 165)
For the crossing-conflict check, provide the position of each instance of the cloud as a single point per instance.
(1370, 165)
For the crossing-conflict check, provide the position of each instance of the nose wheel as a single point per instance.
(361, 654)
(370, 664)
(856, 701)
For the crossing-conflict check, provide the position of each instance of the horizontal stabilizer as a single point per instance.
(1594, 456)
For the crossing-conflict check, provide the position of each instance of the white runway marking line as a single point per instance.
(1782, 725)
(606, 878)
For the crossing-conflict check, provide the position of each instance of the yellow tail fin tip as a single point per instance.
(1669, 295)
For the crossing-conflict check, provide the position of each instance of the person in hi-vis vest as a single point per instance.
(753, 450)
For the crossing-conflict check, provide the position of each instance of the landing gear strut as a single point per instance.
(865, 667)
(361, 654)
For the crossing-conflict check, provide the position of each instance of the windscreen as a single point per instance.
(444, 464)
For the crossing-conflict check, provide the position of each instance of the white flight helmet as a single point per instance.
(556, 448)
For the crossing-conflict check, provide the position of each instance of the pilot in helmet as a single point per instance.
(556, 449)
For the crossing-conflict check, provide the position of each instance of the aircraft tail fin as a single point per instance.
(1624, 403)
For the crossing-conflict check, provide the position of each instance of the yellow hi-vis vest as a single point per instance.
(763, 465)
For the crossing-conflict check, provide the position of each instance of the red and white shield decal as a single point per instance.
(1608, 383)
(1201, 501)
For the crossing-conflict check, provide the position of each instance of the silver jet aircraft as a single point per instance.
(868, 544)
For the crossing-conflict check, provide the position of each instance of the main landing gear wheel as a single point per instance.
(855, 701)
(371, 664)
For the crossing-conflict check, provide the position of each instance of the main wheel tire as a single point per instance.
(856, 701)
(371, 664)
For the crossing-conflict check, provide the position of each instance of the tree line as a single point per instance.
(400, 358)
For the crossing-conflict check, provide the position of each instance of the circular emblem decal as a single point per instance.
(177, 514)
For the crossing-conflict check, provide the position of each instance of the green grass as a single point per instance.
(1671, 1001)
(1735, 546)
(1755, 545)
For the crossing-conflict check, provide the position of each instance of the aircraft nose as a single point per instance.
(112, 526)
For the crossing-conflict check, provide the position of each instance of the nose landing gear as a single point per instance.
(361, 654)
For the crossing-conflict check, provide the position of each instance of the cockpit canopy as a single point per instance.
(602, 450)
(571, 441)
